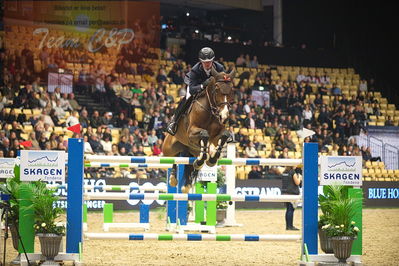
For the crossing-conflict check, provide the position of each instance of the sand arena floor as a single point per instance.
(380, 242)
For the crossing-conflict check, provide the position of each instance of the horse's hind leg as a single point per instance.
(213, 159)
(170, 148)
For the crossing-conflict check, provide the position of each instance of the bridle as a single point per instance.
(214, 106)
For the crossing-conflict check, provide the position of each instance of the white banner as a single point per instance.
(208, 174)
(42, 165)
(343, 170)
(7, 167)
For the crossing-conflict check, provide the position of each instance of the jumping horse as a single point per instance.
(201, 130)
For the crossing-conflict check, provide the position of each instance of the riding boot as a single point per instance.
(172, 126)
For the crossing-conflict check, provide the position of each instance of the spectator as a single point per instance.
(73, 119)
(255, 173)
(240, 61)
(250, 151)
(336, 90)
(73, 103)
(389, 122)
(254, 62)
(84, 118)
(106, 144)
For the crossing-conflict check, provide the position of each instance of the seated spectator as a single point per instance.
(289, 143)
(73, 103)
(363, 86)
(95, 144)
(120, 121)
(59, 111)
(84, 118)
(95, 120)
(284, 154)
(307, 115)
(323, 90)
(250, 151)
(156, 150)
(254, 62)
(73, 119)
(255, 173)
(280, 143)
(106, 144)
(87, 146)
(240, 61)
(389, 122)
(336, 90)
(270, 130)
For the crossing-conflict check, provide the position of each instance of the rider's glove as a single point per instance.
(206, 82)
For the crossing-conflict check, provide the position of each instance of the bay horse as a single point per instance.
(201, 130)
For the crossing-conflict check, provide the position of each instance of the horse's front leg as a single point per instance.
(201, 136)
(215, 157)
(172, 176)
(203, 156)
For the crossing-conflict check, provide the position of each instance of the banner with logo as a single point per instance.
(344, 170)
(208, 174)
(42, 165)
(7, 167)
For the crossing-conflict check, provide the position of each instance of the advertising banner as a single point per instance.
(42, 165)
(7, 167)
(344, 170)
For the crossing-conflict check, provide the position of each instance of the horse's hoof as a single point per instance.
(173, 181)
(210, 164)
(198, 166)
(185, 189)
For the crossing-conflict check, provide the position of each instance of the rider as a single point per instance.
(197, 80)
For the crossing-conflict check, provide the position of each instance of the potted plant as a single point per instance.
(46, 214)
(340, 226)
(331, 193)
(11, 187)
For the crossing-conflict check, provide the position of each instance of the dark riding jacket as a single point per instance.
(197, 76)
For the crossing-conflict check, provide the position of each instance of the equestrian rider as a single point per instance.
(197, 80)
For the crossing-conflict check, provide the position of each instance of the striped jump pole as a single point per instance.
(127, 165)
(114, 187)
(193, 197)
(191, 237)
(189, 160)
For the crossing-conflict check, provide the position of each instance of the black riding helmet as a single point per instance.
(206, 54)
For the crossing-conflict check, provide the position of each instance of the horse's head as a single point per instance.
(220, 90)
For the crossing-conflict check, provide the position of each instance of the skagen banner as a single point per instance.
(7, 167)
(42, 165)
(344, 170)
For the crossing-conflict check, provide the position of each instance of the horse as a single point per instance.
(202, 124)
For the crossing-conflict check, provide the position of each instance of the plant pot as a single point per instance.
(325, 242)
(221, 215)
(14, 235)
(15, 240)
(50, 246)
(342, 246)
